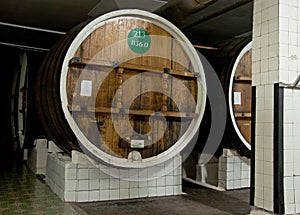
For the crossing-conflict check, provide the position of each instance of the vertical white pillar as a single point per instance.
(276, 52)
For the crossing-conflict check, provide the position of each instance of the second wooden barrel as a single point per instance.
(128, 89)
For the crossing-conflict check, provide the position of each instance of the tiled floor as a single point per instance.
(21, 192)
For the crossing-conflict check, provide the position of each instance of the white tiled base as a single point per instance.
(37, 157)
(77, 180)
(234, 170)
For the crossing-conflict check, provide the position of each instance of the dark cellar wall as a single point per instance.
(9, 60)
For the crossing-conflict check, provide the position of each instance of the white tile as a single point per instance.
(265, 27)
(161, 181)
(169, 190)
(124, 184)
(273, 38)
(94, 195)
(161, 191)
(178, 170)
(273, 25)
(143, 174)
(152, 183)
(237, 175)
(259, 202)
(133, 174)
(94, 174)
(124, 193)
(297, 182)
(245, 175)
(259, 179)
(124, 174)
(245, 183)
(229, 175)
(70, 196)
(268, 155)
(143, 192)
(288, 156)
(70, 185)
(104, 195)
(264, 64)
(297, 208)
(152, 172)
(229, 185)
(297, 196)
(104, 184)
(82, 185)
(268, 194)
(288, 169)
(289, 196)
(114, 194)
(94, 184)
(268, 168)
(70, 174)
(177, 180)
(134, 193)
(268, 181)
(273, 64)
(82, 196)
(169, 180)
(82, 174)
(133, 184)
(152, 191)
(237, 184)
(177, 189)
(114, 183)
(256, 55)
(289, 208)
(104, 175)
(259, 192)
(268, 205)
(143, 183)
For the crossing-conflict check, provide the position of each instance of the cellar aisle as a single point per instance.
(21, 192)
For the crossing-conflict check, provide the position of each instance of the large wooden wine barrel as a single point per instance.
(233, 64)
(127, 89)
(240, 96)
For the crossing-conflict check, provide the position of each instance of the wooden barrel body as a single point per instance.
(240, 96)
(127, 89)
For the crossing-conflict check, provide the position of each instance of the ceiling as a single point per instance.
(36, 24)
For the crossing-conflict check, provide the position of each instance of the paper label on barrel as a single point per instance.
(237, 98)
(86, 88)
(139, 40)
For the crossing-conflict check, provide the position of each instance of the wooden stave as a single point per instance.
(55, 127)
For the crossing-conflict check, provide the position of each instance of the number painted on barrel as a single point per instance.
(139, 40)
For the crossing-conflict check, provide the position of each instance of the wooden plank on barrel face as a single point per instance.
(182, 95)
(132, 90)
(180, 60)
(97, 44)
(161, 46)
(242, 97)
(151, 100)
(244, 68)
(244, 124)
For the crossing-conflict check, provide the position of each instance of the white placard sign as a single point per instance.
(86, 88)
(237, 98)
